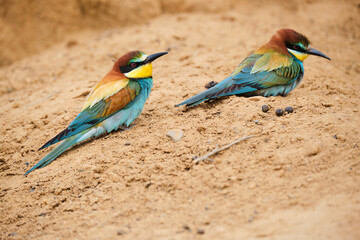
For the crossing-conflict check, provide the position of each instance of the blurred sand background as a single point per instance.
(299, 178)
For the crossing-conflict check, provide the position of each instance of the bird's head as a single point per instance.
(292, 43)
(136, 64)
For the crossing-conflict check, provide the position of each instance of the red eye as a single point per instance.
(133, 64)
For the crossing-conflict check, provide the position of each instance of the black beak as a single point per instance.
(154, 56)
(315, 52)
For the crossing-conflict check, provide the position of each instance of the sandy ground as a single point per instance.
(299, 178)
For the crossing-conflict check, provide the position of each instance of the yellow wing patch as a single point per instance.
(271, 61)
(104, 91)
(243, 64)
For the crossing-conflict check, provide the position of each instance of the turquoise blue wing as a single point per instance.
(265, 83)
(86, 119)
(97, 113)
(267, 74)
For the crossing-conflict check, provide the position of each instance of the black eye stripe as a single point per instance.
(130, 66)
(295, 47)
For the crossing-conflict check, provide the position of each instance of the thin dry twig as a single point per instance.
(217, 149)
(43, 99)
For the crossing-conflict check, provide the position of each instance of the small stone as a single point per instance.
(175, 134)
(71, 43)
(254, 99)
(289, 110)
(201, 129)
(127, 144)
(313, 151)
(279, 112)
(83, 94)
(15, 105)
(26, 163)
(183, 108)
(265, 108)
(256, 121)
(98, 169)
(210, 84)
(187, 228)
(200, 231)
(327, 105)
(120, 232)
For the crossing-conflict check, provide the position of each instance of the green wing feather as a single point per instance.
(259, 75)
(100, 111)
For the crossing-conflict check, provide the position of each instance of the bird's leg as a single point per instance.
(123, 128)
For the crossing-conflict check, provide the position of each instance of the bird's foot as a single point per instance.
(123, 128)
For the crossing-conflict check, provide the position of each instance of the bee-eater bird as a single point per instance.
(275, 68)
(115, 102)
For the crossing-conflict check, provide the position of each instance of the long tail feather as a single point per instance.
(68, 132)
(66, 144)
(56, 152)
(205, 95)
(198, 98)
(56, 139)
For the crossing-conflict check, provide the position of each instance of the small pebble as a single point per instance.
(210, 84)
(15, 105)
(279, 112)
(289, 110)
(127, 144)
(265, 108)
(183, 108)
(200, 231)
(71, 43)
(256, 121)
(26, 163)
(187, 228)
(175, 134)
(120, 232)
(201, 129)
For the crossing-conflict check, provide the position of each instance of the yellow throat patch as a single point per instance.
(144, 71)
(299, 55)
